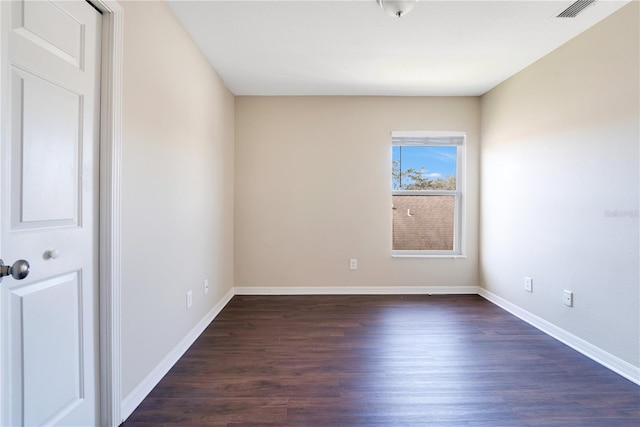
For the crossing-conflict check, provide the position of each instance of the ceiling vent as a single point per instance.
(577, 7)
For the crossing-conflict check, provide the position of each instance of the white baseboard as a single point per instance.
(131, 402)
(617, 365)
(356, 290)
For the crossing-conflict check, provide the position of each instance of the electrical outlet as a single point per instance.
(189, 299)
(528, 284)
(206, 286)
(353, 264)
(568, 298)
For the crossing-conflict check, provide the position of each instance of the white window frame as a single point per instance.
(439, 138)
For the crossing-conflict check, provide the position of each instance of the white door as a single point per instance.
(49, 215)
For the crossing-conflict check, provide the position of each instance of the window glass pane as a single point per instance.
(423, 223)
(420, 167)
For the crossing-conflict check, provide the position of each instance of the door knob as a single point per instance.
(19, 270)
(53, 254)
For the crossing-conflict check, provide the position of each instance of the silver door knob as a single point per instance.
(19, 270)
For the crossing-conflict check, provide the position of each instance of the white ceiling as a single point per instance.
(352, 47)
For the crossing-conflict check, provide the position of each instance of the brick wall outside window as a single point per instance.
(430, 226)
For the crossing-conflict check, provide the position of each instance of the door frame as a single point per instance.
(110, 239)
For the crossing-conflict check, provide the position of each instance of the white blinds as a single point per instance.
(428, 138)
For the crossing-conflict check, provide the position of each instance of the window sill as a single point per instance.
(443, 256)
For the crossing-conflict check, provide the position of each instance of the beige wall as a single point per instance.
(177, 187)
(313, 190)
(560, 186)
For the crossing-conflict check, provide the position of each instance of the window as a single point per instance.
(426, 181)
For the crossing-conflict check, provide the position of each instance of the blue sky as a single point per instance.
(437, 161)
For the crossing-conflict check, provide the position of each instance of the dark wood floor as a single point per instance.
(383, 360)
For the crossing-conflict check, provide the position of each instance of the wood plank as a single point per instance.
(383, 360)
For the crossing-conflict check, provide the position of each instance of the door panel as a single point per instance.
(52, 28)
(49, 313)
(47, 129)
(49, 193)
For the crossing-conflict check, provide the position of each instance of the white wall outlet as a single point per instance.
(568, 298)
(189, 299)
(528, 284)
(353, 264)
(206, 286)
